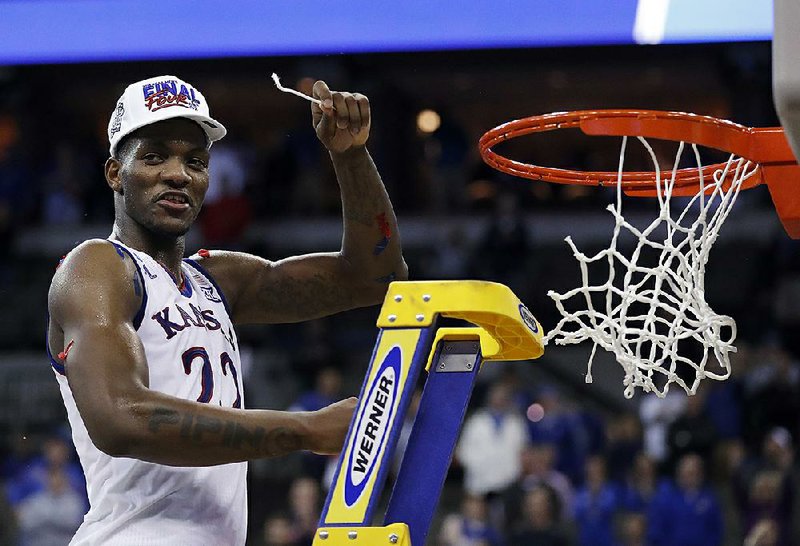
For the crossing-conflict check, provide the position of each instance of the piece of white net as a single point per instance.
(651, 311)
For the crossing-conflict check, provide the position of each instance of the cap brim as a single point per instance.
(213, 129)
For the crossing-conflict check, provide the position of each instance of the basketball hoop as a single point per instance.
(648, 315)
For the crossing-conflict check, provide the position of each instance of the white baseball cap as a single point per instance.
(156, 99)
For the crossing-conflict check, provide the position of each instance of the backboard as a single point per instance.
(786, 69)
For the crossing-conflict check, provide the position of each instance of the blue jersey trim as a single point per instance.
(208, 276)
(137, 320)
(57, 366)
(186, 290)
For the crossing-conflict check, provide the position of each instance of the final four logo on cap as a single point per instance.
(157, 99)
(169, 93)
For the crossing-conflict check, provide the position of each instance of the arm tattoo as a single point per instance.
(284, 439)
(236, 436)
(386, 234)
(229, 434)
(162, 416)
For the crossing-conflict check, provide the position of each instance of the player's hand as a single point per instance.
(329, 426)
(343, 120)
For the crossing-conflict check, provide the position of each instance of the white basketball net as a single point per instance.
(646, 314)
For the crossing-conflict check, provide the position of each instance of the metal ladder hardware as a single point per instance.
(390, 535)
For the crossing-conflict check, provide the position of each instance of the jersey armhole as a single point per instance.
(55, 364)
(137, 319)
(60, 367)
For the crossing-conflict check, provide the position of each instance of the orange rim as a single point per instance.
(764, 146)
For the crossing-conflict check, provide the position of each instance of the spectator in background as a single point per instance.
(632, 530)
(491, 444)
(774, 393)
(765, 533)
(565, 430)
(228, 171)
(521, 393)
(595, 505)
(51, 516)
(685, 512)
(767, 500)
(725, 399)
(766, 488)
(278, 531)
(469, 527)
(502, 252)
(725, 408)
(33, 477)
(537, 470)
(639, 485)
(304, 509)
(729, 487)
(227, 211)
(540, 523)
(591, 425)
(624, 444)
(692, 432)
(657, 414)
(22, 451)
(327, 389)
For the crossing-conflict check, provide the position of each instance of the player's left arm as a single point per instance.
(315, 285)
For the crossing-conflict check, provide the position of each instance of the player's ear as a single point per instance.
(112, 170)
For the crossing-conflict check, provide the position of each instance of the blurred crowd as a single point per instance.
(717, 468)
(579, 467)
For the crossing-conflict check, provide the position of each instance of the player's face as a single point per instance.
(162, 176)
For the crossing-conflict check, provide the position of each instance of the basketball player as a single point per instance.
(145, 349)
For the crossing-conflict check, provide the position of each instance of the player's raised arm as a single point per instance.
(315, 285)
(93, 301)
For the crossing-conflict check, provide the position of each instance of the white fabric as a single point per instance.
(490, 454)
(140, 503)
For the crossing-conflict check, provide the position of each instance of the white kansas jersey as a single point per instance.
(191, 353)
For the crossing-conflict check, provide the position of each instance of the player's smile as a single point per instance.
(174, 201)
